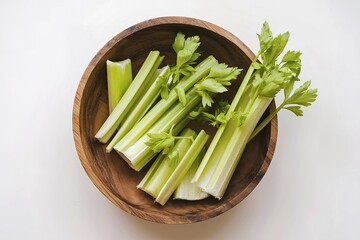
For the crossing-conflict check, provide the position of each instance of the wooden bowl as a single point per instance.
(111, 174)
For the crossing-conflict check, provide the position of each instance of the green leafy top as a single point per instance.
(163, 81)
(163, 142)
(265, 37)
(302, 96)
(273, 75)
(219, 77)
(186, 50)
(216, 116)
(270, 47)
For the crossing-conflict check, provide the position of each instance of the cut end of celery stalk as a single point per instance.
(137, 166)
(188, 190)
(185, 163)
(119, 77)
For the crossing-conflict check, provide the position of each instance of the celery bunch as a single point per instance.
(259, 87)
(155, 109)
(150, 118)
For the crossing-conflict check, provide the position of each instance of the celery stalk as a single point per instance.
(137, 154)
(147, 153)
(216, 144)
(130, 97)
(141, 108)
(188, 190)
(259, 87)
(119, 77)
(151, 173)
(144, 88)
(181, 169)
(163, 105)
(165, 165)
(223, 161)
(219, 158)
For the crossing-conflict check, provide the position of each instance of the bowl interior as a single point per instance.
(114, 178)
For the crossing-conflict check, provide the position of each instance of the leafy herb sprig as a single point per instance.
(163, 142)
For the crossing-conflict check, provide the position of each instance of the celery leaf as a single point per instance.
(210, 85)
(302, 96)
(296, 110)
(181, 94)
(206, 98)
(277, 46)
(218, 79)
(179, 42)
(291, 56)
(186, 55)
(163, 142)
(216, 116)
(163, 81)
(265, 37)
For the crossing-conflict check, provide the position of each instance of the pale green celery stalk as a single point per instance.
(141, 108)
(225, 151)
(223, 134)
(188, 190)
(243, 86)
(215, 143)
(163, 105)
(151, 172)
(164, 165)
(150, 79)
(225, 162)
(154, 77)
(205, 171)
(149, 154)
(119, 77)
(146, 85)
(130, 97)
(181, 169)
(138, 154)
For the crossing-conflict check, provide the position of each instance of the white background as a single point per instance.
(311, 190)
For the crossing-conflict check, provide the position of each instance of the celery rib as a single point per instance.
(140, 109)
(119, 77)
(235, 105)
(226, 164)
(130, 97)
(188, 190)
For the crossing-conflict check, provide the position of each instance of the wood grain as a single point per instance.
(110, 174)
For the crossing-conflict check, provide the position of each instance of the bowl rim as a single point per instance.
(151, 216)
